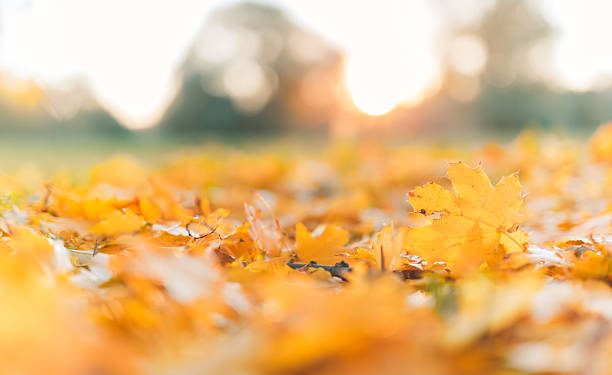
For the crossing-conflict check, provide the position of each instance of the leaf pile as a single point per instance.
(360, 259)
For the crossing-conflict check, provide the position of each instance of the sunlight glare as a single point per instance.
(128, 60)
(373, 94)
(394, 63)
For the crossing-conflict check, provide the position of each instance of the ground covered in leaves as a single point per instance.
(355, 259)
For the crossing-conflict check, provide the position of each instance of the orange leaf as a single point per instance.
(322, 246)
(118, 222)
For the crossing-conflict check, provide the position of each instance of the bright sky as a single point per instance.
(129, 50)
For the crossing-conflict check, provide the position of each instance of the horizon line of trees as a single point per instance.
(252, 70)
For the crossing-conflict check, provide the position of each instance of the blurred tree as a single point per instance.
(519, 87)
(511, 30)
(244, 71)
(28, 109)
(512, 94)
(516, 85)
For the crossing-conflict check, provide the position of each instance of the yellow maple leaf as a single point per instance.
(601, 143)
(473, 225)
(118, 222)
(94, 209)
(387, 246)
(490, 305)
(593, 265)
(149, 210)
(27, 244)
(322, 247)
(121, 171)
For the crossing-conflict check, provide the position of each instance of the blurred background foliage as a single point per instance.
(252, 70)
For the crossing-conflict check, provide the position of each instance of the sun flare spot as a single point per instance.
(370, 94)
(394, 64)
